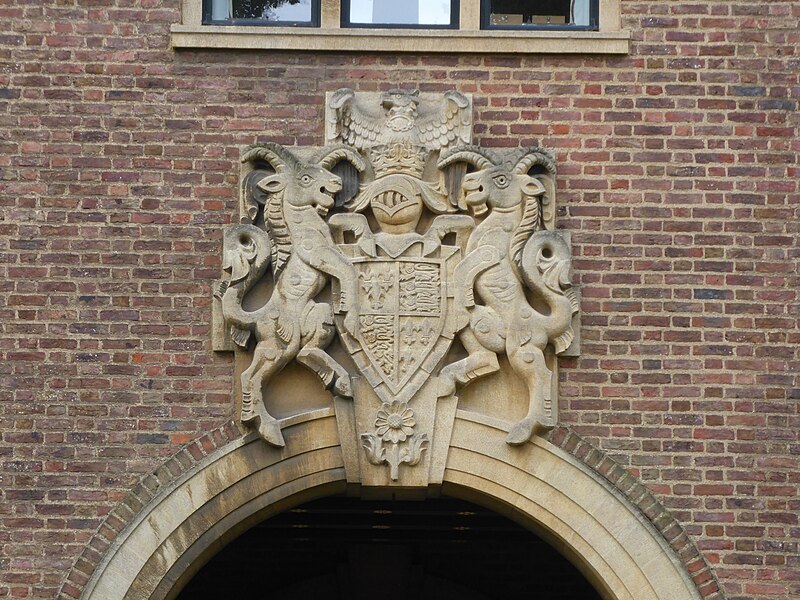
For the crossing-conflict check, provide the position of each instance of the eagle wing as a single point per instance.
(451, 125)
(349, 125)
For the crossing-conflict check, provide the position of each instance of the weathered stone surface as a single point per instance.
(245, 481)
(416, 257)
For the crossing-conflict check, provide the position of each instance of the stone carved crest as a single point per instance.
(440, 259)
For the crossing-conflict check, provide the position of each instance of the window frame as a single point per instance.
(316, 11)
(455, 11)
(594, 21)
(469, 38)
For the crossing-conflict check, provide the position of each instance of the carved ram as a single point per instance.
(508, 251)
(297, 244)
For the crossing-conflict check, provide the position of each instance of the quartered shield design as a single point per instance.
(403, 322)
(401, 309)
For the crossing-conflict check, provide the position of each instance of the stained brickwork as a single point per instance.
(678, 180)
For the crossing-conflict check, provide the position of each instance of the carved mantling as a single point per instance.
(410, 272)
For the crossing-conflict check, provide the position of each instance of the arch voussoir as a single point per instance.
(592, 512)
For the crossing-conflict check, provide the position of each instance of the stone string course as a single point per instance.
(678, 180)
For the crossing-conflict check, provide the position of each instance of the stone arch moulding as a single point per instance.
(617, 534)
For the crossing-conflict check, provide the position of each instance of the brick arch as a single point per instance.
(638, 495)
(568, 492)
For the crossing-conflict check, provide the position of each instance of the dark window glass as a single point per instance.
(262, 12)
(533, 14)
(400, 13)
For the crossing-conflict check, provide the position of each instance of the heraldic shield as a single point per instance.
(404, 331)
(406, 325)
(434, 262)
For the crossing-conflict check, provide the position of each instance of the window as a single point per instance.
(261, 12)
(422, 26)
(431, 14)
(539, 14)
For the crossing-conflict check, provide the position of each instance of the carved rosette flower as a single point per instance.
(395, 422)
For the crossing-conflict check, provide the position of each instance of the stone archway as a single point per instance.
(439, 548)
(540, 485)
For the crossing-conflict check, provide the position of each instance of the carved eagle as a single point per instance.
(400, 122)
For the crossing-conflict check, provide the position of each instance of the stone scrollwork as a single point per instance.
(442, 259)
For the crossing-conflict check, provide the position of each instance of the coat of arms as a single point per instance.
(428, 258)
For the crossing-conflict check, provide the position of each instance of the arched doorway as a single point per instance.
(344, 548)
(190, 517)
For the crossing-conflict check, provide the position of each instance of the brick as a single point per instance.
(677, 177)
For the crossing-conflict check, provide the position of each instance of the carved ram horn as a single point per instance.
(529, 158)
(252, 195)
(480, 158)
(535, 156)
(277, 156)
(330, 155)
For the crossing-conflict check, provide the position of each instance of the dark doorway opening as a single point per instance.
(349, 549)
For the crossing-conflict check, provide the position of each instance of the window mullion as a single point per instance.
(470, 15)
(192, 11)
(331, 14)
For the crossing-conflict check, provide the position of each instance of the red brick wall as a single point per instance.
(678, 179)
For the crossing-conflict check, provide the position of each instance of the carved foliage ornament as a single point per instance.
(441, 246)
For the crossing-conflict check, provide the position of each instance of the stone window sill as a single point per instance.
(400, 40)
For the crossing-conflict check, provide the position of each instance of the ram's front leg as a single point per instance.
(330, 261)
(480, 362)
(318, 331)
(464, 276)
